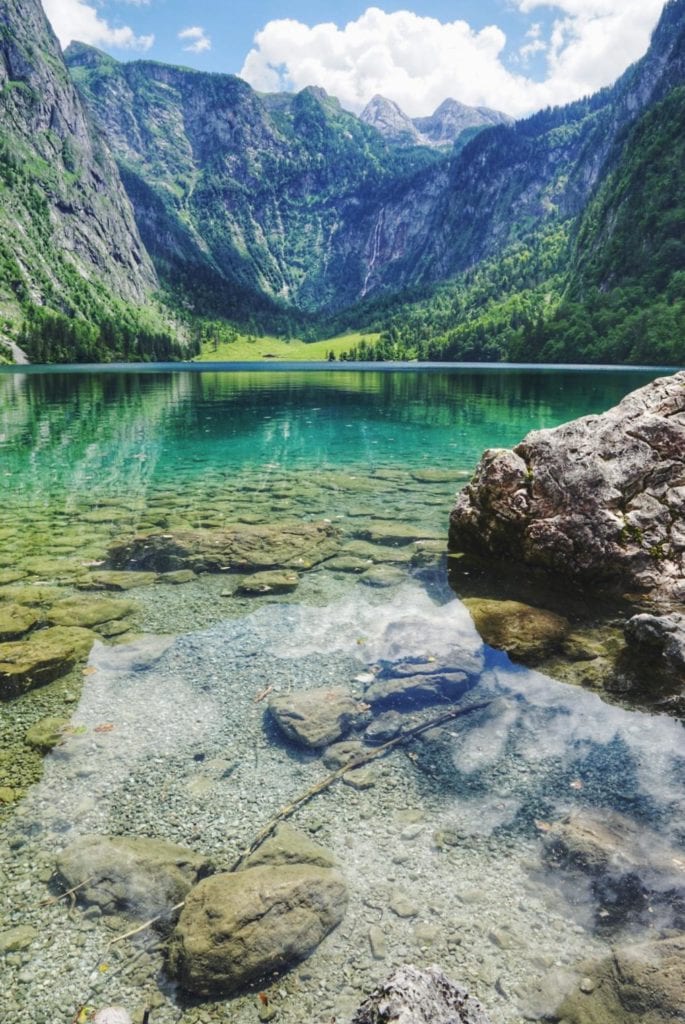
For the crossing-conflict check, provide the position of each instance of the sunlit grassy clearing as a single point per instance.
(244, 350)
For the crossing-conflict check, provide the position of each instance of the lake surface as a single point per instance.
(167, 737)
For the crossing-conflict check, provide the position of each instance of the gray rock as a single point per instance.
(14, 940)
(660, 641)
(139, 877)
(413, 996)
(417, 684)
(315, 718)
(599, 500)
(385, 727)
(238, 927)
(339, 754)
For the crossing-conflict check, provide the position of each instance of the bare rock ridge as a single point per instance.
(85, 214)
(442, 128)
(599, 501)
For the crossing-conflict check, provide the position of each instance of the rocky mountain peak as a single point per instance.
(394, 125)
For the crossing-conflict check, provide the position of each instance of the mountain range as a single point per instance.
(140, 200)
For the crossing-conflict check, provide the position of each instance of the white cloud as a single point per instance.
(197, 39)
(418, 61)
(75, 19)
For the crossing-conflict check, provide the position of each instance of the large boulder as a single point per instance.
(600, 500)
(659, 642)
(315, 718)
(414, 996)
(640, 983)
(241, 548)
(239, 926)
(138, 877)
(527, 634)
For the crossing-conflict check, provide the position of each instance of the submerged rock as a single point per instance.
(273, 582)
(630, 867)
(417, 684)
(289, 846)
(640, 983)
(137, 876)
(240, 548)
(45, 655)
(116, 580)
(527, 634)
(600, 500)
(83, 611)
(15, 620)
(315, 718)
(237, 927)
(414, 996)
(46, 733)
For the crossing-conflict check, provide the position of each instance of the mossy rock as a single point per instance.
(81, 611)
(268, 583)
(15, 620)
(32, 594)
(43, 656)
(46, 733)
(527, 634)
(11, 576)
(117, 580)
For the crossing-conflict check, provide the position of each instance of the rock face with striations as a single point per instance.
(413, 996)
(599, 501)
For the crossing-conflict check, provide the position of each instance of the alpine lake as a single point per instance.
(163, 728)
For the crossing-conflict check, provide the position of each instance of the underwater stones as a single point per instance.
(238, 548)
(32, 594)
(629, 866)
(116, 580)
(177, 578)
(46, 733)
(289, 846)
(45, 655)
(340, 754)
(81, 611)
(112, 1015)
(237, 927)
(527, 634)
(15, 940)
(347, 563)
(269, 582)
(414, 996)
(417, 685)
(639, 983)
(383, 576)
(378, 553)
(385, 727)
(15, 620)
(315, 718)
(137, 876)
(379, 532)
(11, 576)
(599, 500)
(439, 476)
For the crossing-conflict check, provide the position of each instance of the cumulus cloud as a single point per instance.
(419, 61)
(196, 39)
(75, 19)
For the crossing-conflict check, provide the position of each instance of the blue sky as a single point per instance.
(516, 55)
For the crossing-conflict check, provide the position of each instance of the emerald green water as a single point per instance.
(168, 736)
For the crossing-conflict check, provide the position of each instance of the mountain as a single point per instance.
(279, 195)
(446, 126)
(555, 237)
(68, 236)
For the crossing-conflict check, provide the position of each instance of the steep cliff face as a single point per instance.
(67, 230)
(282, 195)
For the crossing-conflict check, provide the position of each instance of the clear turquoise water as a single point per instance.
(87, 456)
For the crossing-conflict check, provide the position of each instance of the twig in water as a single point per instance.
(263, 695)
(147, 924)
(69, 892)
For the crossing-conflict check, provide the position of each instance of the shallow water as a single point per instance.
(453, 822)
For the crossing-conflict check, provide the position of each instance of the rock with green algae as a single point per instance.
(44, 655)
(269, 582)
(46, 733)
(117, 580)
(83, 611)
(238, 927)
(32, 594)
(239, 548)
(15, 620)
(381, 532)
(526, 633)
(638, 983)
(17, 939)
(289, 846)
(136, 876)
